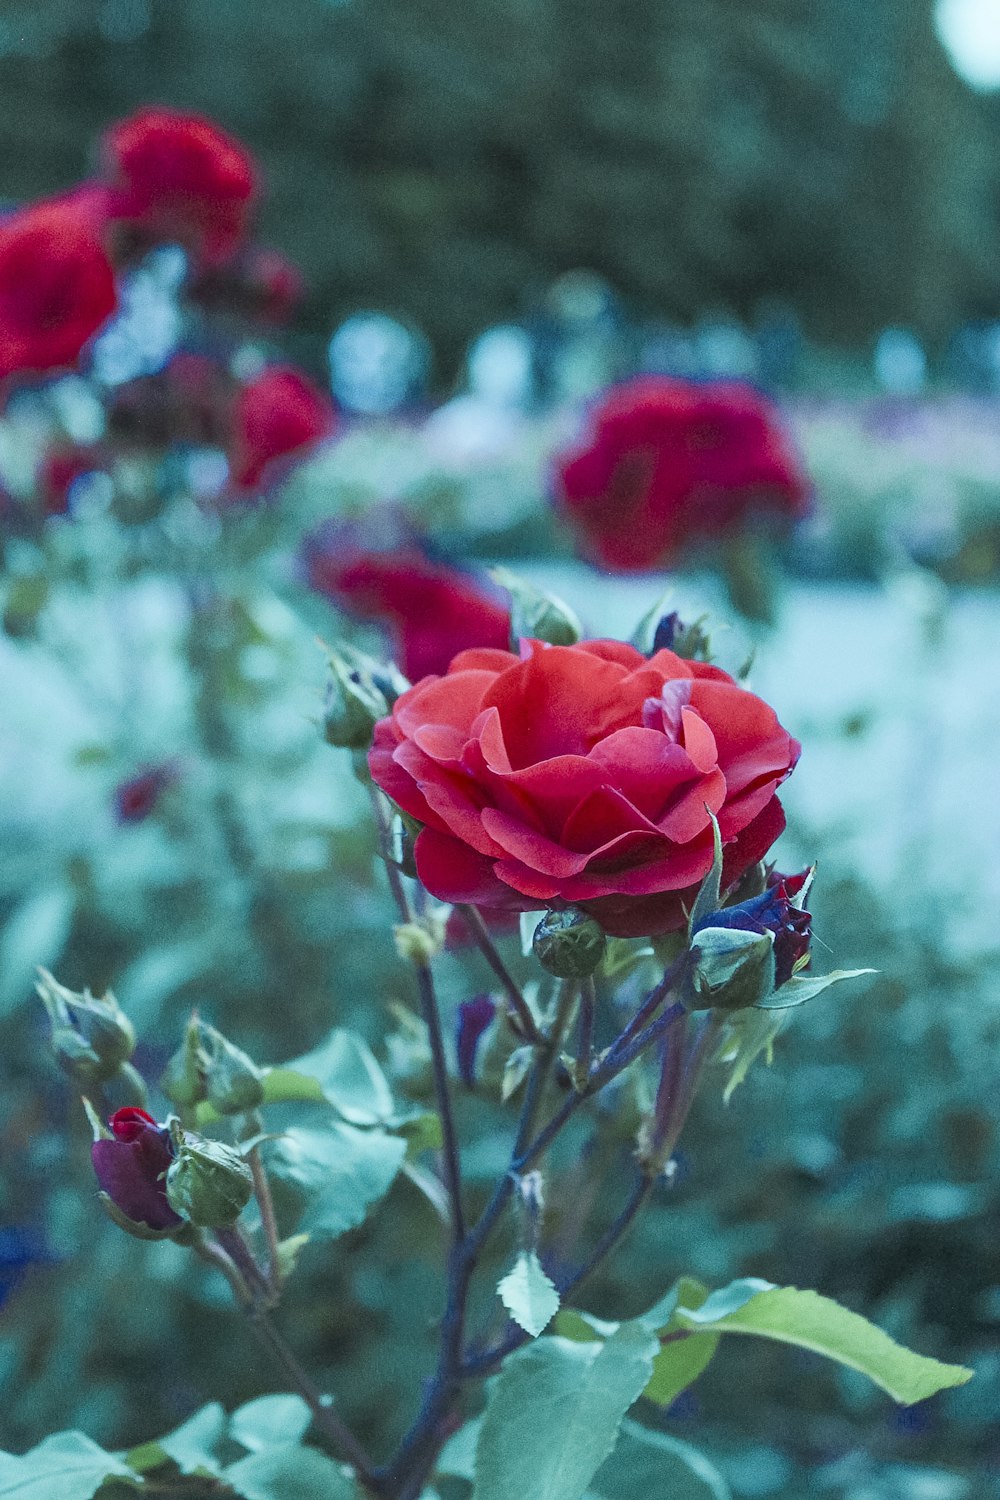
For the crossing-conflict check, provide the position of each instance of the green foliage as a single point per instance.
(66, 1466)
(654, 1463)
(553, 1414)
(275, 1465)
(528, 1294)
(334, 1173)
(818, 1323)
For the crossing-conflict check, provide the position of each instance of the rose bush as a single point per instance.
(583, 775)
(667, 461)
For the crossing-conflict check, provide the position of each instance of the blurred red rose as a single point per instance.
(178, 177)
(583, 775)
(431, 610)
(57, 286)
(136, 798)
(277, 415)
(668, 461)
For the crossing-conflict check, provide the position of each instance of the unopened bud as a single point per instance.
(131, 1157)
(208, 1182)
(91, 1038)
(353, 703)
(536, 615)
(208, 1067)
(569, 944)
(690, 641)
(419, 941)
(732, 969)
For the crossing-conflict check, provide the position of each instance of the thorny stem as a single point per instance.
(527, 1024)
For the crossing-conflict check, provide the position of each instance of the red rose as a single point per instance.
(178, 177)
(57, 286)
(667, 461)
(131, 1167)
(276, 415)
(432, 610)
(583, 775)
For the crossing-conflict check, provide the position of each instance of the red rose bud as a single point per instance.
(131, 1169)
(690, 641)
(136, 798)
(176, 177)
(667, 461)
(277, 416)
(583, 775)
(474, 1018)
(57, 287)
(432, 611)
(772, 912)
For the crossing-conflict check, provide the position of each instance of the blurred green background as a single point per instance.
(445, 161)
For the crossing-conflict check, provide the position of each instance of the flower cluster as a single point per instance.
(166, 177)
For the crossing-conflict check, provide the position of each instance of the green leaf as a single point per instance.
(683, 1354)
(290, 1473)
(335, 1174)
(654, 1464)
(802, 987)
(749, 1033)
(528, 1294)
(553, 1414)
(192, 1445)
(66, 1466)
(643, 634)
(458, 1456)
(34, 937)
(349, 1078)
(270, 1421)
(811, 1321)
(516, 1070)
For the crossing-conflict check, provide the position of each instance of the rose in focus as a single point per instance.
(583, 775)
(666, 462)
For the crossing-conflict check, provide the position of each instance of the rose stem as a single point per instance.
(262, 1191)
(585, 1042)
(518, 1004)
(326, 1419)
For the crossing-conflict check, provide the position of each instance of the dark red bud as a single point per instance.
(772, 911)
(131, 1167)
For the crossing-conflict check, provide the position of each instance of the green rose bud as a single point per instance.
(207, 1067)
(732, 969)
(569, 944)
(91, 1038)
(353, 704)
(207, 1183)
(536, 615)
